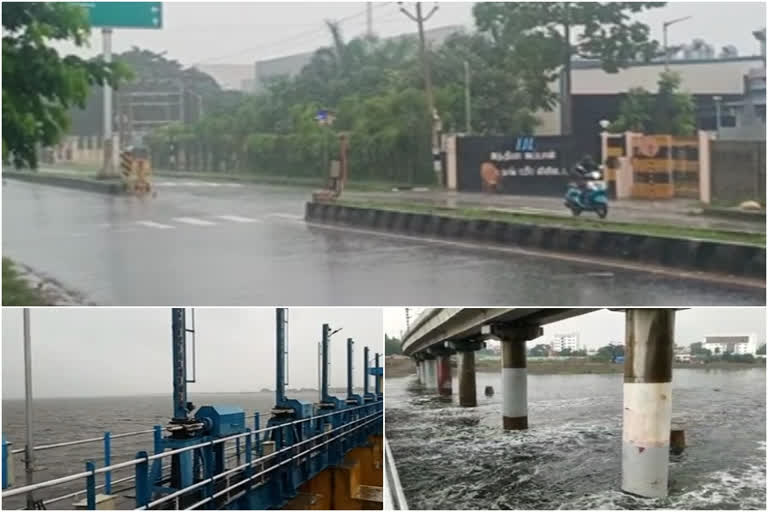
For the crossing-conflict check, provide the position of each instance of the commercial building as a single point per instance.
(568, 341)
(740, 344)
(720, 88)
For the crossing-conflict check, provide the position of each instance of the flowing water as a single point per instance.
(450, 457)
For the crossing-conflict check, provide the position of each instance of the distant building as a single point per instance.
(569, 341)
(230, 77)
(291, 65)
(597, 95)
(731, 344)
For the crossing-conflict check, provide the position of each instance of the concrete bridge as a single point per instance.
(439, 333)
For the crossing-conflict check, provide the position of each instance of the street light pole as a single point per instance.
(666, 25)
(467, 99)
(108, 169)
(717, 99)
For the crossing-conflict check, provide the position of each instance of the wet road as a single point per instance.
(450, 457)
(208, 243)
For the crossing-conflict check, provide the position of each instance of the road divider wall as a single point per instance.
(690, 254)
(61, 180)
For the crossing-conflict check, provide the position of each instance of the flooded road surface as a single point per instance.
(450, 457)
(230, 244)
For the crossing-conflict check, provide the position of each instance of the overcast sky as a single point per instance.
(602, 327)
(115, 351)
(243, 32)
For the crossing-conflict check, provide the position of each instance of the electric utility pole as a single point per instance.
(369, 19)
(420, 19)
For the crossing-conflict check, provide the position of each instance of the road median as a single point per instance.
(726, 253)
(112, 186)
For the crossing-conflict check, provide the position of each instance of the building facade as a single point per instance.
(740, 344)
(568, 341)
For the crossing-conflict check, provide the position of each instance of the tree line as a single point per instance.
(375, 88)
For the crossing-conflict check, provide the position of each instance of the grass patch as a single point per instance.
(90, 171)
(664, 230)
(17, 291)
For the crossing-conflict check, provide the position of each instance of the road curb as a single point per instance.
(89, 185)
(733, 214)
(690, 254)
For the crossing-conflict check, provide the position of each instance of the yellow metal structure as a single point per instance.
(356, 484)
(136, 173)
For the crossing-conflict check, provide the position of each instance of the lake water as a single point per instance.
(450, 457)
(69, 419)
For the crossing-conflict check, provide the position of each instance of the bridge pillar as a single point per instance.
(467, 384)
(418, 371)
(514, 373)
(444, 377)
(430, 371)
(647, 401)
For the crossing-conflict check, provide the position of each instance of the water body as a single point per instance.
(450, 457)
(69, 419)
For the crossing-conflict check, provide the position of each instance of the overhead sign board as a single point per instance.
(124, 14)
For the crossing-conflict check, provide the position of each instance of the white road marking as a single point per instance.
(194, 221)
(237, 218)
(156, 225)
(288, 216)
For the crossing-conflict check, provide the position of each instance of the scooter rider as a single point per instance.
(582, 170)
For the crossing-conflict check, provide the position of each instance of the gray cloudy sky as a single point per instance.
(115, 351)
(243, 32)
(602, 327)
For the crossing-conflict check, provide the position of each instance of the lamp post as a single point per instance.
(666, 25)
(717, 99)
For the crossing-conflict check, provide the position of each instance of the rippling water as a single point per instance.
(451, 457)
(70, 419)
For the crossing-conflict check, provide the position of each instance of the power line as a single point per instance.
(294, 37)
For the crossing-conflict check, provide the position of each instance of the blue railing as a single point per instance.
(369, 422)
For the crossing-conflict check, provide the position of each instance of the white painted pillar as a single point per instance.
(647, 401)
(514, 377)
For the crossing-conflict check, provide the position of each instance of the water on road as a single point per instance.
(208, 243)
(450, 457)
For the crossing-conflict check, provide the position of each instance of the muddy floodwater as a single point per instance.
(450, 457)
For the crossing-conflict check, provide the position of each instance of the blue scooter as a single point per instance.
(592, 198)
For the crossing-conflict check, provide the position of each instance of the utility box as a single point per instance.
(103, 502)
(8, 469)
(222, 420)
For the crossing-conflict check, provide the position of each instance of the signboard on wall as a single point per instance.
(512, 165)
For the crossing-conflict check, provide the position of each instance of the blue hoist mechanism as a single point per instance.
(287, 411)
(208, 423)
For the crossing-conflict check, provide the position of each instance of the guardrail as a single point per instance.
(141, 463)
(395, 496)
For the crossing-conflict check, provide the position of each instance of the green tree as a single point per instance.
(39, 85)
(538, 37)
(503, 102)
(609, 352)
(761, 350)
(697, 349)
(669, 111)
(391, 345)
(539, 351)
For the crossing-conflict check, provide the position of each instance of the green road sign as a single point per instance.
(125, 14)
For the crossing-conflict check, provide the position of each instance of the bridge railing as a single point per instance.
(143, 491)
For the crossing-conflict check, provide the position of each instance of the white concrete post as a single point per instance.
(647, 401)
(705, 170)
